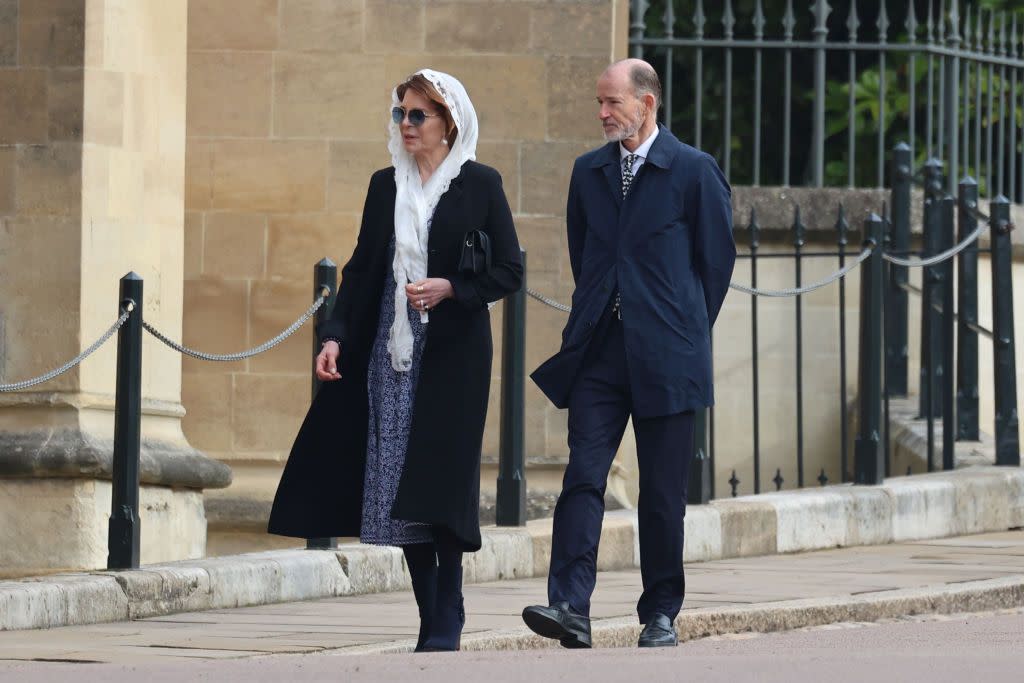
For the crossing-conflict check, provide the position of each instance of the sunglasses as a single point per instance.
(417, 117)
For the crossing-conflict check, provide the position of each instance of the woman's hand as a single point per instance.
(427, 294)
(327, 362)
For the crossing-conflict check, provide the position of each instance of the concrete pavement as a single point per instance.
(769, 593)
(945, 649)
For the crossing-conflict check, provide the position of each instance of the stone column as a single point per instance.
(92, 147)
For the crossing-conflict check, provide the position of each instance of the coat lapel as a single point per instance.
(659, 158)
(608, 162)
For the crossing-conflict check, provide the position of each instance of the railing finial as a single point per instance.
(728, 20)
(789, 21)
(1002, 34)
(930, 24)
(821, 10)
(759, 20)
(853, 21)
(991, 31)
(979, 31)
(842, 225)
(637, 27)
(1013, 47)
(699, 19)
(911, 23)
(883, 24)
(799, 229)
(1019, 39)
(967, 28)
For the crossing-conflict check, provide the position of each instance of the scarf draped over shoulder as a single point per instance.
(415, 203)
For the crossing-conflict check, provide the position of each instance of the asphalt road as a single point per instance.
(982, 647)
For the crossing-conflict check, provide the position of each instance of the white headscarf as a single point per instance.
(415, 203)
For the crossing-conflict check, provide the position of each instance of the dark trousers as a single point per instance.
(599, 407)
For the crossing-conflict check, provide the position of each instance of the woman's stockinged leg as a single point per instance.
(449, 612)
(421, 558)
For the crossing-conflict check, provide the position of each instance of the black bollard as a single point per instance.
(930, 403)
(896, 347)
(325, 276)
(700, 477)
(947, 324)
(967, 309)
(510, 506)
(868, 454)
(1007, 430)
(124, 529)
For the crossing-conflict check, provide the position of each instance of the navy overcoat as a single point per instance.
(668, 248)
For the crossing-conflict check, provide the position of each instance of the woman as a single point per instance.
(390, 448)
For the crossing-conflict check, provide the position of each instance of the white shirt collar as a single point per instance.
(642, 150)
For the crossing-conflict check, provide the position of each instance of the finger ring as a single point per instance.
(420, 289)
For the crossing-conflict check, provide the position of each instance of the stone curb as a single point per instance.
(968, 501)
(974, 596)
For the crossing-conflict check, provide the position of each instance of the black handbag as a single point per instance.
(476, 253)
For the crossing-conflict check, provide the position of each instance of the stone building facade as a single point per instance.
(92, 160)
(220, 148)
(287, 109)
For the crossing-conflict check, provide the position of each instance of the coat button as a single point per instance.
(590, 323)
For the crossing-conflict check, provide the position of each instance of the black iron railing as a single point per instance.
(950, 333)
(124, 525)
(946, 77)
(949, 330)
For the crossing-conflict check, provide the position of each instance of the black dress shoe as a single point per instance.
(559, 622)
(659, 632)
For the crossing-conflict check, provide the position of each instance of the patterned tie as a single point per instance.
(627, 172)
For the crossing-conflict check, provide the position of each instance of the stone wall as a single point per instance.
(287, 112)
(92, 158)
(286, 120)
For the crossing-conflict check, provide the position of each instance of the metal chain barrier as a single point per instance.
(978, 213)
(938, 258)
(265, 346)
(797, 291)
(17, 386)
(549, 302)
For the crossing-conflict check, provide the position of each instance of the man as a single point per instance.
(650, 243)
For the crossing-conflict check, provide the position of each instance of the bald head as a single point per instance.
(639, 75)
(628, 93)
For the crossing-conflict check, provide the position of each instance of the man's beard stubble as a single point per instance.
(632, 129)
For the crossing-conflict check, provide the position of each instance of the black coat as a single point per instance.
(321, 489)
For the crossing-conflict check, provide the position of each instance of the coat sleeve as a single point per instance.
(352, 274)
(575, 225)
(506, 272)
(715, 249)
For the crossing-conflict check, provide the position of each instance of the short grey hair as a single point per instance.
(645, 81)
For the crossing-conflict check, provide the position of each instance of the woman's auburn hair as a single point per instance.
(419, 84)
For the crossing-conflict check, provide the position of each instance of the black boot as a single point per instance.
(421, 559)
(449, 611)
